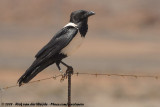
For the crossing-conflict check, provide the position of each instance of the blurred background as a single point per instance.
(123, 38)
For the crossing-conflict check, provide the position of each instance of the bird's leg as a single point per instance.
(69, 68)
(64, 75)
(59, 68)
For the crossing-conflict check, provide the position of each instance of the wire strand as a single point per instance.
(92, 74)
(120, 75)
(12, 86)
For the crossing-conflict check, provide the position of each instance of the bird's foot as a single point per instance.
(64, 76)
(69, 70)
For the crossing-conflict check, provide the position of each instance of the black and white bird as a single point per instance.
(63, 44)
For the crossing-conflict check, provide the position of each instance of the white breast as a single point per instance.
(73, 45)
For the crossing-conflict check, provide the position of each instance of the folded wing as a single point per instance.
(45, 55)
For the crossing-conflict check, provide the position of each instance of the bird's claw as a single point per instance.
(64, 76)
(69, 70)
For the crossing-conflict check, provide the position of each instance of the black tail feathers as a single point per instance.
(28, 75)
(31, 72)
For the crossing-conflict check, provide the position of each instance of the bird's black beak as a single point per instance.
(90, 13)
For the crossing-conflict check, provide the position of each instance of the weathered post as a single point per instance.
(69, 74)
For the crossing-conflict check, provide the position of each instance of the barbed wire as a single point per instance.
(12, 86)
(92, 74)
(77, 73)
(121, 75)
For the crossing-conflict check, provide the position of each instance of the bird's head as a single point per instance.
(80, 15)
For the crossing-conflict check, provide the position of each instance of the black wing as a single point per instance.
(58, 42)
(43, 57)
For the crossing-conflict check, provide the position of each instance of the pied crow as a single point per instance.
(63, 44)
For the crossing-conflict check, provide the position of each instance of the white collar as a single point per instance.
(71, 24)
